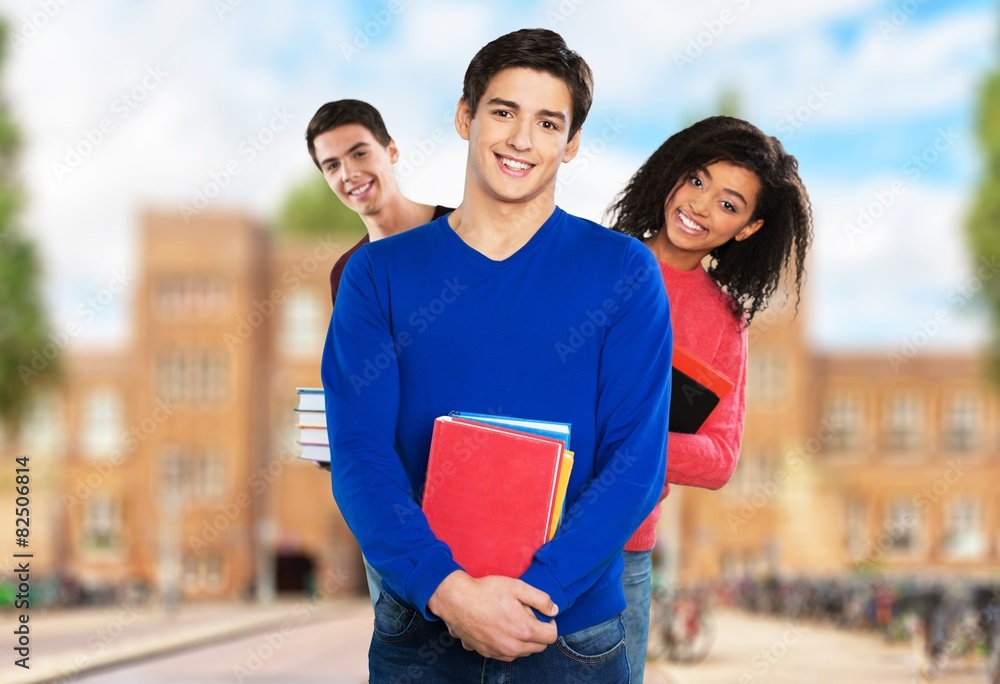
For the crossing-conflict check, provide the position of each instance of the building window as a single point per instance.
(191, 296)
(192, 375)
(767, 377)
(169, 296)
(43, 431)
(102, 523)
(856, 525)
(964, 534)
(101, 423)
(190, 572)
(213, 572)
(173, 468)
(743, 477)
(193, 473)
(845, 413)
(207, 473)
(902, 528)
(201, 574)
(902, 422)
(303, 326)
(963, 422)
(756, 476)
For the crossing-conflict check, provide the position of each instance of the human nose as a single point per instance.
(520, 136)
(697, 204)
(346, 171)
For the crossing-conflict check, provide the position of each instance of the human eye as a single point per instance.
(694, 180)
(729, 206)
(502, 113)
(333, 166)
(549, 125)
(360, 154)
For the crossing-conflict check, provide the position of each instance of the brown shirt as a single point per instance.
(338, 268)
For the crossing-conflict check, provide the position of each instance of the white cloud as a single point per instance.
(922, 68)
(884, 263)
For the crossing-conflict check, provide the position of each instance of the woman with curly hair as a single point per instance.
(724, 190)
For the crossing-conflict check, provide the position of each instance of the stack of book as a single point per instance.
(696, 389)
(496, 488)
(313, 437)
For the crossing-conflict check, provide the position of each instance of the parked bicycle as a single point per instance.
(681, 625)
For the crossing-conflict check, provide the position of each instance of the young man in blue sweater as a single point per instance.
(507, 305)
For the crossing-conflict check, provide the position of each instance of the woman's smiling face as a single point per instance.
(709, 208)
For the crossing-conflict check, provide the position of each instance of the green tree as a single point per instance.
(311, 208)
(984, 221)
(23, 326)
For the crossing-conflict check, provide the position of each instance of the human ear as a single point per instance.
(463, 118)
(572, 147)
(749, 229)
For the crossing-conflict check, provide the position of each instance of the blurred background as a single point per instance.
(165, 245)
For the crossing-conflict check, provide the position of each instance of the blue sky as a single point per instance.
(868, 84)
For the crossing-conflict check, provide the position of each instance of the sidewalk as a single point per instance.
(66, 644)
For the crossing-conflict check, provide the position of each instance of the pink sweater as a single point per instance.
(704, 325)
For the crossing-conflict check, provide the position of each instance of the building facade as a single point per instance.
(169, 465)
(852, 463)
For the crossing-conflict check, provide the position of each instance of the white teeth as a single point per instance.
(516, 165)
(688, 222)
(363, 188)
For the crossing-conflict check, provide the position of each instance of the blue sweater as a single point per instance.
(574, 327)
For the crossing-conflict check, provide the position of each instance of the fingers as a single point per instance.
(537, 599)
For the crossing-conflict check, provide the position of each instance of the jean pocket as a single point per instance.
(394, 621)
(594, 644)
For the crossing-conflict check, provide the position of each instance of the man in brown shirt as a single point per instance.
(349, 143)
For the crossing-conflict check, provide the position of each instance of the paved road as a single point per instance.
(304, 649)
(748, 650)
(756, 650)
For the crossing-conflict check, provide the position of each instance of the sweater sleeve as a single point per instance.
(707, 459)
(369, 481)
(632, 410)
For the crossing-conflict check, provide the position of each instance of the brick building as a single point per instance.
(851, 462)
(170, 465)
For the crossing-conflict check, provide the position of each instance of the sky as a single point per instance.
(127, 105)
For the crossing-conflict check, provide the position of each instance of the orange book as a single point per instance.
(565, 467)
(491, 494)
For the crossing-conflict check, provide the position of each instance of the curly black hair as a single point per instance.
(748, 270)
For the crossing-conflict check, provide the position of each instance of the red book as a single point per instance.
(490, 494)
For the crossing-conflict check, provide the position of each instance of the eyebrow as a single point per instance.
(548, 113)
(354, 147)
(729, 190)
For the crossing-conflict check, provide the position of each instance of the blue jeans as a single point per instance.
(407, 649)
(635, 582)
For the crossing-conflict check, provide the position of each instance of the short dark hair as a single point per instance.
(749, 270)
(341, 113)
(538, 49)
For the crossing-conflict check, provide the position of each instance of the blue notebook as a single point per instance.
(545, 428)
